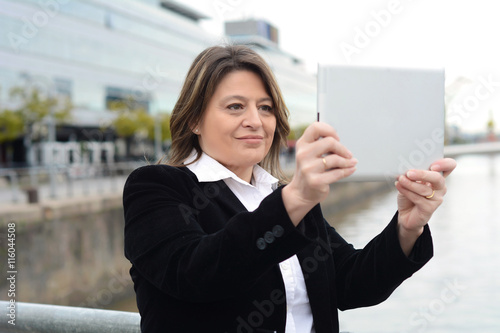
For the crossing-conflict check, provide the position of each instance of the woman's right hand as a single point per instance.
(320, 161)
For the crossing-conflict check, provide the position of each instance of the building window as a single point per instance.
(140, 99)
(63, 87)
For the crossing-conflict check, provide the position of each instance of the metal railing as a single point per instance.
(42, 318)
(63, 180)
(474, 148)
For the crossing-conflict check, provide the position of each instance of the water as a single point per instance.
(76, 261)
(459, 289)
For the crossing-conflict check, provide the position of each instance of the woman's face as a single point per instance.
(237, 127)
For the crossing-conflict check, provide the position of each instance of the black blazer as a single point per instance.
(202, 263)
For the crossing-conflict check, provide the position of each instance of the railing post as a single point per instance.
(113, 174)
(69, 187)
(86, 178)
(14, 183)
(52, 178)
(33, 172)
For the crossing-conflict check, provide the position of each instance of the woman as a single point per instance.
(218, 243)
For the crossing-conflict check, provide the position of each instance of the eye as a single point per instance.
(235, 107)
(266, 108)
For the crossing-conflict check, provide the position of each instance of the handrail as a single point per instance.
(43, 318)
(70, 177)
(474, 148)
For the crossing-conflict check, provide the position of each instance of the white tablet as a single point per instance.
(391, 119)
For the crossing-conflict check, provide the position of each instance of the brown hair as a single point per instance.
(203, 77)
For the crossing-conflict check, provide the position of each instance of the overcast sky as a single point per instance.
(459, 35)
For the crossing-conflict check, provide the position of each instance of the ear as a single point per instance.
(195, 128)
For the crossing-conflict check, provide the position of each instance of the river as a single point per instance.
(459, 289)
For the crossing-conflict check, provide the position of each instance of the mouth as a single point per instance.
(251, 139)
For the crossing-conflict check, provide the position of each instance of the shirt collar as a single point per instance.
(207, 169)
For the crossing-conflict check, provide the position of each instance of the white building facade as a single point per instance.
(97, 51)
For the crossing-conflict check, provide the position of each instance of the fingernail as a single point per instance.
(396, 183)
(411, 174)
(435, 168)
(354, 161)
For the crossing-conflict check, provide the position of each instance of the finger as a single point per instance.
(329, 145)
(334, 175)
(415, 198)
(317, 130)
(445, 165)
(334, 161)
(433, 177)
(320, 148)
(422, 189)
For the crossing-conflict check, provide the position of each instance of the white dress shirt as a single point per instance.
(299, 316)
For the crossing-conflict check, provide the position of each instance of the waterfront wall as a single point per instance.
(69, 252)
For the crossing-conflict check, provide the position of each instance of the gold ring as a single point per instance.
(430, 196)
(324, 162)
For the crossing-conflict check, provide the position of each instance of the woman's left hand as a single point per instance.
(421, 192)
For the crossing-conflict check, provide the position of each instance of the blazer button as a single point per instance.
(269, 237)
(261, 244)
(278, 231)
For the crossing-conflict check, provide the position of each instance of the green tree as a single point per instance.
(164, 119)
(11, 125)
(32, 107)
(132, 120)
(35, 106)
(296, 132)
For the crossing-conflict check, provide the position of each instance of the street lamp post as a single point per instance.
(51, 141)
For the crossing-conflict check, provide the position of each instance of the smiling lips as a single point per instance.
(251, 139)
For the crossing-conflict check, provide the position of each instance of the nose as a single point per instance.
(252, 118)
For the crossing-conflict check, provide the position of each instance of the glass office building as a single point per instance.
(96, 51)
